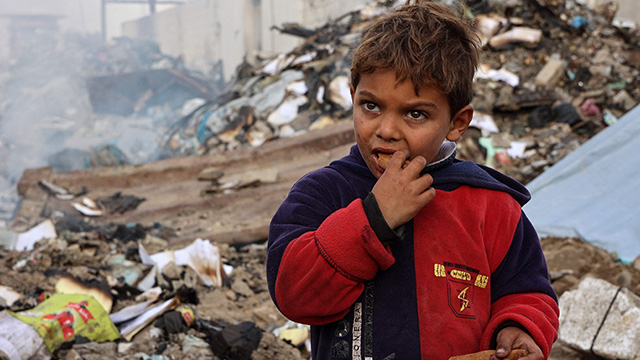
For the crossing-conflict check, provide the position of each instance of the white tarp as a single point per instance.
(594, 192)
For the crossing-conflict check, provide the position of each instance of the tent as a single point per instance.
(594, 192)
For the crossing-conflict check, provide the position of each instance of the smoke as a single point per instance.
(47, 118)
(47, 99)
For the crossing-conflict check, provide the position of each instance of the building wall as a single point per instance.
(80, 16)
(215, 35)
(117, 14)
(77, 16)
(277, 12)
(202, 32)
(318, 12)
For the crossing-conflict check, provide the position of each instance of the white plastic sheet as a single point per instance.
(594, 192)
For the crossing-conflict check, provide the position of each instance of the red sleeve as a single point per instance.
(521, 291)
(537, 312)
(322, 272)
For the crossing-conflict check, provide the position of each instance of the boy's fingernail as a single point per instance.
(501, 351)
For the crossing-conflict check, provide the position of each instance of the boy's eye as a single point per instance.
(369, 106)
(416, 115)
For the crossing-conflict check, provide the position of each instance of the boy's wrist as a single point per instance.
(378, 223)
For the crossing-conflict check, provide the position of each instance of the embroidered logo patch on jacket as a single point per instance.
(461, 283)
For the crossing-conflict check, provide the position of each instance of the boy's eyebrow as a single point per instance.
(423, 104)
(365, 93)
(416, 104)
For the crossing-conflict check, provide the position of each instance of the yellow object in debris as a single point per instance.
(69, 285)
(295, 336)
(62, 317)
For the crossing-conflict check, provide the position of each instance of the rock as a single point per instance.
(124, 347)
(550, 74)
(636, 263)
(624, 101)
(240, 287)
(73, 355)
(600, 317)
(506, 100)
(196, 348)
(93, 351)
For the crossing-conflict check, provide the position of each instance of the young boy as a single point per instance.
(424, 260)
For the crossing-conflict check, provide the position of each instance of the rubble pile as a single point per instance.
(84, 104)
(554, 73)
(209, 300)
(179, 304)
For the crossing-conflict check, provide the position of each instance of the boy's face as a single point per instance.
(390, 116)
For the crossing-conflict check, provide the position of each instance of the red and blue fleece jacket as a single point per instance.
(467, 265)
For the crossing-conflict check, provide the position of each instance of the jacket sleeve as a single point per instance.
(521, 291)
(320, 254)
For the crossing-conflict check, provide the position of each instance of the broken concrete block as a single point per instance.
(601, 317)
(339, 92)
(550, 74)
(488, 26)
(517, 35)
(624, 101)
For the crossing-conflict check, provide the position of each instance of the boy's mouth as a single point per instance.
(383, 160)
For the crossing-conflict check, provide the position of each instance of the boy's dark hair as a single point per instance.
(425, 42)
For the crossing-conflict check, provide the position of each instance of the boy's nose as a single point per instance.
(388, 128)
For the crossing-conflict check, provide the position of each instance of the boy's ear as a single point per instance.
(460, 123)
(352, 90)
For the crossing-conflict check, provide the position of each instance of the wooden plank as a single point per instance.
(174, 196)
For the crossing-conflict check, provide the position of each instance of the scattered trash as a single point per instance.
(131, 273)
(566, 113)
(201, 256)
(589, 108)
(119, 203)
(233, 342)
(485, 72)
(132, 327)
(484, 122)
(517, 35)
(26, 240)
(553, 77)
(58, 191)
(88, 207)
(8, 296)
(62, 317)
(196, 347)
(19, 340)
(131, 311)
(101, 293)
(339, 93)
(294, 333)
(489, 25)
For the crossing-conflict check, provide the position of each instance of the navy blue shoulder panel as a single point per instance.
(524, 268)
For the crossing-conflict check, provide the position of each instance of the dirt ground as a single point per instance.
(244, 295)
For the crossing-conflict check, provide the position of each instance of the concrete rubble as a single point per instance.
(601, 318)
(168, 208)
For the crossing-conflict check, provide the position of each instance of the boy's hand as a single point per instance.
(401, 193)
(515, 338)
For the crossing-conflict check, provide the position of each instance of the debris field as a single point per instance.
(170, 237)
